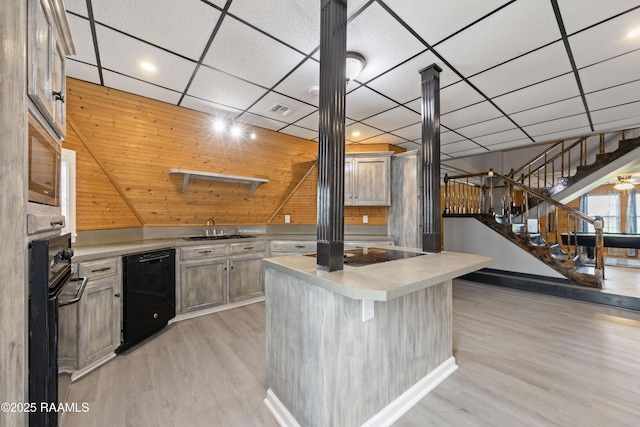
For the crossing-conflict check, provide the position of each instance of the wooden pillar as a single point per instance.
(333, 50)
(431, 212)
(14, 307)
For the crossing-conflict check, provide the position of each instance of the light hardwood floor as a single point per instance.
(524, 359)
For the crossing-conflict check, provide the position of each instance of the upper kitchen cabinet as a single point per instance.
(366, 179)
(49, 42)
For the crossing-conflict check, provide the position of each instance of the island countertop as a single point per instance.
(383, 281)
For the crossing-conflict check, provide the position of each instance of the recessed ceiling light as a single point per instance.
(635, 32)
(355, 133)
(147, 66)
(219, 125)
(236, 130)
(252, 135)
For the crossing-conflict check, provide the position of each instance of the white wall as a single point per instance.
(468, 235)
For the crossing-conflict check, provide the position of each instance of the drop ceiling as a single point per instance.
(514, 73)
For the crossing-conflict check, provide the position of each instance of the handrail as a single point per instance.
(569, 209)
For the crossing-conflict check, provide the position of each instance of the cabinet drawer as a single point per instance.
(100, 268)
(209, 251)
(295, 246)
(247, 248)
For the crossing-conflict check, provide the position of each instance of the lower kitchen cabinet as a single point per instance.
(99, 310)
(203, 284)
(245, 278)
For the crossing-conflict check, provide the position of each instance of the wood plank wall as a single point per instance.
(126, 145)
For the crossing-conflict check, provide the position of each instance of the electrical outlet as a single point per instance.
(287, 219)
(367, 310)
(365, 219)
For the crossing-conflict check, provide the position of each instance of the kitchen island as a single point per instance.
(328, 366)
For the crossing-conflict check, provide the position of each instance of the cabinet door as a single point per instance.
(99, 320)
(371, 185)
(348, 183)
(203, 284)
(245, 278)
(59, 92)
(40, 57)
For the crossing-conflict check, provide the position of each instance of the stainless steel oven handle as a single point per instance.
(78, 294)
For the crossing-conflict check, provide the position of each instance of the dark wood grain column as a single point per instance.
(431, 212)
(333, 49)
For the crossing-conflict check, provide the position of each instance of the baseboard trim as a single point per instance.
(91, 367)
(390, 413)
(216, 309)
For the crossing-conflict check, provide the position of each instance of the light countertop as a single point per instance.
(386, 280)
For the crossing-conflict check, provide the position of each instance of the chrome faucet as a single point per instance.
(211, 223)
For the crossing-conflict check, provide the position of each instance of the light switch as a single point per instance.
(287, 219)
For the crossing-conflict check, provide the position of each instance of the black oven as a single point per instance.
(44, 165)
(49, 274)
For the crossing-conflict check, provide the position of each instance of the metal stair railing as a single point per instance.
(514, 204)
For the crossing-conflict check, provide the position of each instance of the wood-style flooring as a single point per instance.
(524, 359)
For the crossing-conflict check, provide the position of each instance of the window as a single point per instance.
(68, 191)
(608, 207)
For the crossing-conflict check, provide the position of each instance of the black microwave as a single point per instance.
(44, 165)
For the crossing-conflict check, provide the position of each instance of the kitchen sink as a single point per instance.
(219, 237)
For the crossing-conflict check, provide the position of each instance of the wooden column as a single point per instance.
(14, 307)
(431, 212)
(333, 49)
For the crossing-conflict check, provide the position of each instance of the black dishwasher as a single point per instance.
(149, 297)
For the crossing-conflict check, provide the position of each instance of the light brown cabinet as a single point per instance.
(99, 311)
(367, 179)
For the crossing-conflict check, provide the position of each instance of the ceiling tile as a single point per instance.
(294, 22)
(364, 102)
(518, 143)
(260, 121)
(466, 116)
(518, 28)
(467, 153)
(365, 132)
(451, 17)
(455, 96)
(244, 52)
(621, 117)
(557, 129)
(224, 89)
(621, 69)
(172, 72)
(448, 137)
(82, 40)
(501, 137)
(455, 147)
(309, 122)
(298, 83)
(300, 132)
(410, 132)
(212, 108)
(487, 127)
(618, 95)
(81, 71)
(549, 91)
(385, 138)
(393, 119)
(403, 84)
(548, 112)
(579, 14)
(127, 84)
(382, 49)
(535, 67)
(76, 6)
(411, 145)
(185, 25)
(606, 40)
(299, 110)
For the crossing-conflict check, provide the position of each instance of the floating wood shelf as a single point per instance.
(189, 174)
